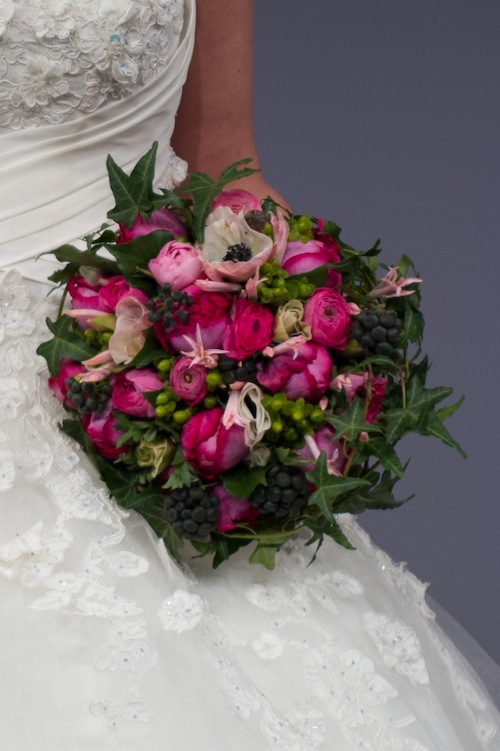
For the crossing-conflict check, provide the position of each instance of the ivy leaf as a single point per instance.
(204, 189)
(445, 412)
(434, 426)
(331, 528)
(67, 342)
(134, 193)
(265, 554)
(224, 547)
(420, 403)
(242, 483)
(352, 422)
(379, 495)
(386, 455)
(182, 474)
(328, 487)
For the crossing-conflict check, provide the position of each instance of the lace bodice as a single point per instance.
(60, 59)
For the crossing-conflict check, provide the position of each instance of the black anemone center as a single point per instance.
(238, 252)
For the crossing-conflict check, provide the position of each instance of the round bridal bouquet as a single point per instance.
(236, 372)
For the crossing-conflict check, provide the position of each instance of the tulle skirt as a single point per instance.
(106, 641)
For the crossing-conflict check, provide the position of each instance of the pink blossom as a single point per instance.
(323, 440)
(360, 384)
(392, 285)
(114, 290)
(128, 388)
(327, 314)
(304, 372)
(233, 510)
(128, 337)
(161, 219)
(237, 200)
(177, 264)
(209, 447)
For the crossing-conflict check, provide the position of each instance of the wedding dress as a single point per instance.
(105, 640)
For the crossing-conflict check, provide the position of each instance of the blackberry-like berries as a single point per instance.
(192, 511)
(379, 333)
(284, 494)
(169, 306)
(231, 371)
(88, 397)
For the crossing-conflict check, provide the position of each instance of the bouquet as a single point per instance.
(237, 373)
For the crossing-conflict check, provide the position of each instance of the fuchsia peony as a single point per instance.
(209, 447)
(233, 510)
(68, 369)
(250, 330)
(328, 315)
(301, 257)
(128, 387)
(177, 264)
(304, 372)
(162, 219)
(189, 381)
(210, 310)
(104, 435)
(115, 289)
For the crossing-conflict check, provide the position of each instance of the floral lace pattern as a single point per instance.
(61, 58)
(304, 658)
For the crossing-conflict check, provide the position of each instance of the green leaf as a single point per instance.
(331, 528)
(134, 193)
(352, 422)
(379, 495)
(204, 189)
(445, 412)
(243, 482)
(434, 426)
(386, 455)
(328, 487)
(413, 322)
(135, 255)
(420, 403)
(67, 342)
(182, 474)
(265, 554)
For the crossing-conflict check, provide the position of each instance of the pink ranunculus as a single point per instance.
(237, 200)
(209, 447)
(128, 387)
(115, 289)
(233, 510)
(250, 330)
(189, 381)
(303, 372)
(356, 383)
(210, 310)
(177, 264)
(67, 369)
(104, 435)
(327, 313)
(161, 219)
(324, 438)
(301, 257)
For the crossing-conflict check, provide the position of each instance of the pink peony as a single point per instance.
(305, 375)
(210, 310)
(251, 329)
(301, 257)
(84, 296)
(103, 434)
(232, 510)
(161, 219)
(188, 381)
(327, 313)
(237, 200)
(128, 387)
(67, 369)
(209, 447)
(177, 264)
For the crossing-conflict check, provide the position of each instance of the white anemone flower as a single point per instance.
(232, 249)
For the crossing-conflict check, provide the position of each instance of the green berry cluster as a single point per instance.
(291, 420)
(98, 339)
(300, 229)
(167, 408)
(279, 288)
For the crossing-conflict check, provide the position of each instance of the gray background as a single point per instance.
(385, 116)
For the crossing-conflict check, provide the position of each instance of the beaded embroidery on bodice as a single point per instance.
(60, 59)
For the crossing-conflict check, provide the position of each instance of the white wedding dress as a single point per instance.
(105, 640)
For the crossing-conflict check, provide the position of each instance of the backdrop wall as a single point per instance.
(385, 116)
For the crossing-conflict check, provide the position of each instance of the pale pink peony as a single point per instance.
(177, 264)
(237, 200)
(161, 219)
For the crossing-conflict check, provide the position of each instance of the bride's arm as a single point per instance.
(214, 125)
